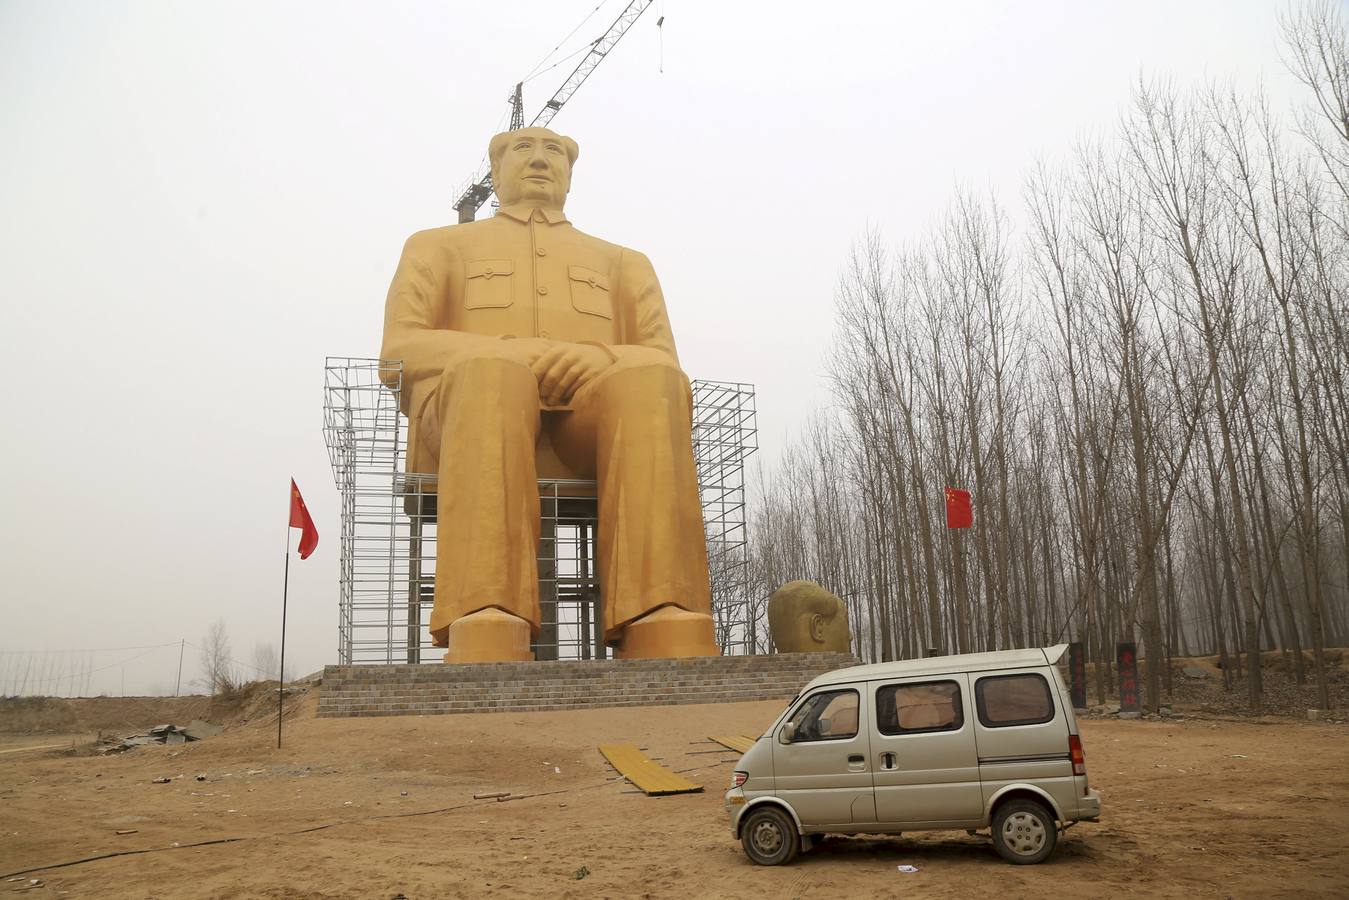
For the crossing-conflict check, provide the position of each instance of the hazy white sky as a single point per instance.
(200, 201)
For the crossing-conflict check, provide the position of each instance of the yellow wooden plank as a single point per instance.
(737, 742)
(650, 778)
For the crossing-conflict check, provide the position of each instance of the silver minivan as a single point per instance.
(965, 742)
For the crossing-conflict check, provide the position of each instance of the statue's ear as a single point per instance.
(817, 628)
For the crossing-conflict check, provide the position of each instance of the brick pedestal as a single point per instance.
(438, 689)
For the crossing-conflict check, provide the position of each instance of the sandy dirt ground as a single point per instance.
(383, 808)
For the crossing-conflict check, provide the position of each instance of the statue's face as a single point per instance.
(533, 169)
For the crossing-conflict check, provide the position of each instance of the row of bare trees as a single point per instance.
(1143, 387)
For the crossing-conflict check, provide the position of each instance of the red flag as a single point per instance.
(300, 518)
(958, 511)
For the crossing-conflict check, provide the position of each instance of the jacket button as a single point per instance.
(541, 252)
(543, 289)
(543, 334)
(488, 271)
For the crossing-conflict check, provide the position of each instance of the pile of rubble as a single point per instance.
(161, 734)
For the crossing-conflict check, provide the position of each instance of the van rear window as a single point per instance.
(913, 708)
(1003, 700)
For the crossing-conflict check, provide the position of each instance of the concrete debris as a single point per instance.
(1194, 672)
(161, 734)
(159, 781)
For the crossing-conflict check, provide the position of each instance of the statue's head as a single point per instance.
(803, 617)
(532, 165)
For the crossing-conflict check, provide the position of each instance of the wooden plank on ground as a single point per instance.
(652, 779)
(737, 742)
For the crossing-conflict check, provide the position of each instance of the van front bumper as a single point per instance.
(734, 804)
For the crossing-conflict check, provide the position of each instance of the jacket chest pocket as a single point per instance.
(489, 284)
(590, 292)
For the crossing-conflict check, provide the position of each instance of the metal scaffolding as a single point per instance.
(725, 433)
(388, 564)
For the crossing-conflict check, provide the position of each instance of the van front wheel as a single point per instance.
(769, 837)
(1024, 832)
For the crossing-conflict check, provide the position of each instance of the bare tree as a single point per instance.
(1147, 399)
(218, 674)
(266, 662)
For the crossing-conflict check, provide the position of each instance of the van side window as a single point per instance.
(914, 708)
(1004, 700)
(827, 716)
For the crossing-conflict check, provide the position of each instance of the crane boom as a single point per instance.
(479, 188)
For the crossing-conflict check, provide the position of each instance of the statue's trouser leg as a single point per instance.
(632, 425)
(487, 519)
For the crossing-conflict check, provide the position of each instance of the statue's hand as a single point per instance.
(525, 351)
(564, 368)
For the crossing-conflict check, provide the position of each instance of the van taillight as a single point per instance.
(1075, 751)
(739, 778)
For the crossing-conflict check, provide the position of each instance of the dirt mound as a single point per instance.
(58, 715)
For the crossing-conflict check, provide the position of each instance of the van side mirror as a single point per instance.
(789, 732)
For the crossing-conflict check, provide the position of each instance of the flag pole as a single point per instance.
(281, 675)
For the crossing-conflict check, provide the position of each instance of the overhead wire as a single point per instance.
(93, 649)
(54, 679)
(550, 53)
(563, 61)
(237, 662)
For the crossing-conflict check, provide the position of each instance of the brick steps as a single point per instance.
(439, 689)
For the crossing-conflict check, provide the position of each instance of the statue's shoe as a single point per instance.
(488, 635)
(668, 632)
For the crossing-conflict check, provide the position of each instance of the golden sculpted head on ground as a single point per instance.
(803, 617)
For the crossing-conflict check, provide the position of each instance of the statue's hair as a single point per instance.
(497, 146)
(816, 602)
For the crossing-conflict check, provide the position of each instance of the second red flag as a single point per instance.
(959, 513)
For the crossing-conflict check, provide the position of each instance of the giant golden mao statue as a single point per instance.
(520, 332)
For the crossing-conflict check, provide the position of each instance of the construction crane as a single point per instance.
(479, 187)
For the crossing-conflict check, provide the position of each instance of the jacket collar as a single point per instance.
(521, 212)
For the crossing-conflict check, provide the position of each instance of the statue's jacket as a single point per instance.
(525, 272)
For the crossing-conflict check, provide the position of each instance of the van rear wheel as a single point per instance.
(769, 837)
(1024, 832)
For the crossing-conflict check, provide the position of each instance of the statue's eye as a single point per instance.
(524, 145)
(554, 149)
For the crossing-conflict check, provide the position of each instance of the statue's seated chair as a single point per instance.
(564, 497)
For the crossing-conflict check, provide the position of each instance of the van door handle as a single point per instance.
(857, 762)
(856, 758)
(888, 761)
